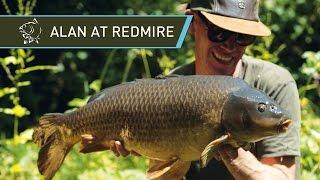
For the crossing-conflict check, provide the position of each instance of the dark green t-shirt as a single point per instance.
(276, 82)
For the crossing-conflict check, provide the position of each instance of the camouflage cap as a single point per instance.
(240, 16)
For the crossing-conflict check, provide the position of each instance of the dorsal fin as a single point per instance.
(161, 76)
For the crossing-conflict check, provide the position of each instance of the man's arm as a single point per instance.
(243, 165)
(119, 150)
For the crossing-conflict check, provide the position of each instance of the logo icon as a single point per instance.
(241, 4)
(30, 31)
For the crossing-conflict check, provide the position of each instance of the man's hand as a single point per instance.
(102, 144)
(119, 150)
(243, 165)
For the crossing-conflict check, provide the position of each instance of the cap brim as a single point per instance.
(238, 25)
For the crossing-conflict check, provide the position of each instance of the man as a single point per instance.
(222, 29)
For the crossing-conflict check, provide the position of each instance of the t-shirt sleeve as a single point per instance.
(287, 144)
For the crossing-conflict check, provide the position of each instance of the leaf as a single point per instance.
(29, 59)
(133, 53)
(17, 111)
(82, 55)
(304, 102)
(7, 90)
(77, 102)
(148, 52)
(23, 137)
(95, 85)
(309, 71)
(132, 174)
(22, 53)
(23, 83)
(16, 168)
(9, 60)
(316, 134)
(6, 111)
(20, 111)
(20, 60)
(57, 68)
(308, 175)
(166, 64)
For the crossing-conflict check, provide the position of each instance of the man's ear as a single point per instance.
(191, 28)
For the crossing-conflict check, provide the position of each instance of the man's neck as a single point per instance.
(238, 69)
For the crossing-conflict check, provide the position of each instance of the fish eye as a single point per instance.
(262, 107)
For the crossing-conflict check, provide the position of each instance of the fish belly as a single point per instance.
(185, 144)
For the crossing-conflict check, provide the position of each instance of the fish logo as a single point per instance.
(241, 4)
(30, 31)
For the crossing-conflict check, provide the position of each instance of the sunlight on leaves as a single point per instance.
(23, 137)
(8, 60)
(166, 64)
(20, 111)
(7, 90)
(78, 102)
(95, 85)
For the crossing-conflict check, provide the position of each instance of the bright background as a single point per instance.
(36, 82)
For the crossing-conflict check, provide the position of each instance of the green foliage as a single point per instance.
(310, 141)
(311, 72)
(310, 126)
(25, 7)
(261, 49)
(18, 161)
(166, 64)
(15, 67)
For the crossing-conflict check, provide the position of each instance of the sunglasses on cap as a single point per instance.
(219, 35)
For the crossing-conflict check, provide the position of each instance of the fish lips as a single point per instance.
(284, 125)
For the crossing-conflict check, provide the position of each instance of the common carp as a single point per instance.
(30, 31)
(174, 120)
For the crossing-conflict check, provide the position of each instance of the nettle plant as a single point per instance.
(15, 67)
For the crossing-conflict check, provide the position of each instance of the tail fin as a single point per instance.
(50, 135)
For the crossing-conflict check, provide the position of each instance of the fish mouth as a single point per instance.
(284, 125)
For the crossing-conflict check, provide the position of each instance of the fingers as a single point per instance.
(87, 137)
(113, 148)
(122, 151)
(118, 149)
(240, 163)
(216, 155)
(228, 153)
(231, 160)
(236, 156)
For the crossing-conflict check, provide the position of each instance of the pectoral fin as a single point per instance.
(163, 170)
(208, 152)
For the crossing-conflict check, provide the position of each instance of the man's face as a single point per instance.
(213, 57)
